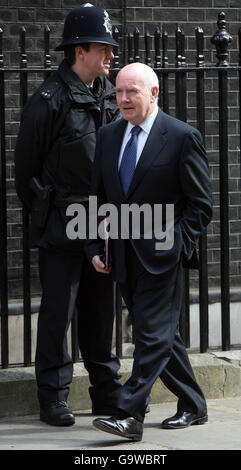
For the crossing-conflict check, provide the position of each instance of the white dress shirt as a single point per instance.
(142, 136)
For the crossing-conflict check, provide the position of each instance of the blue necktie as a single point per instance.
(128, 162)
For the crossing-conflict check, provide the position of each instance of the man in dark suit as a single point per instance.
(170, 168)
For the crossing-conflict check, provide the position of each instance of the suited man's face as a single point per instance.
(135, 101)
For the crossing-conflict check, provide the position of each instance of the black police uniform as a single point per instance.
(56, 144)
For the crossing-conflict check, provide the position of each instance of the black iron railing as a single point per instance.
(173, 81)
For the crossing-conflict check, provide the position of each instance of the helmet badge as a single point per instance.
(107, 23)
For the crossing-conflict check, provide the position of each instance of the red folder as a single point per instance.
(106, 256)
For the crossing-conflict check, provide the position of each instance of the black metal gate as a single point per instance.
(173, 98)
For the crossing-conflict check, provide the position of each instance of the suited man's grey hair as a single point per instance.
(148, 75)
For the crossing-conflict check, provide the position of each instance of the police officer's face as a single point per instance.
(97, 60)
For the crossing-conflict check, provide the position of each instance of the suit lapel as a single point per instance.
(154, 145)
(115, 146)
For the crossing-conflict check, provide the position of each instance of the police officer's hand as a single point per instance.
(99, 265)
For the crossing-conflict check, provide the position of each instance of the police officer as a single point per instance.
(53, 162)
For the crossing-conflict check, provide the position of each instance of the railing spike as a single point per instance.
(157, 41)
(164, 49)
(47, 59)
(130, 40)
(22, 43)
(200, 47)
(115, 33)
(136, 45)
(148, 48)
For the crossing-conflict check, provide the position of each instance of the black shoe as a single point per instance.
(128, 428)
(57, 414)
(183, 420)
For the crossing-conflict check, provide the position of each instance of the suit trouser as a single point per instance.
(67, 282)
(155, 303)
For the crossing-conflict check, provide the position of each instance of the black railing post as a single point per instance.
(3, 220)
(181, 88)
(165, 88)
(47, 56)
(130, 48)
(124, 32)
(181, 113)
(221, 39)
(148, 49)
(203, 269)
(200, 82)
(157, 59)
(136, 45)
(116, 60)
(25, 216)
(157, 42)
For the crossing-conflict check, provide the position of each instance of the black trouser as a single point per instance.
(155, 303)
(68, 281)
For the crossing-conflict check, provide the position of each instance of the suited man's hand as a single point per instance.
(99, 265)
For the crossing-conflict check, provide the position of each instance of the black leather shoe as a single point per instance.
(128, 428)
(57, 414)
(183, 420)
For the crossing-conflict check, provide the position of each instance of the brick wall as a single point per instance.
(146, 15)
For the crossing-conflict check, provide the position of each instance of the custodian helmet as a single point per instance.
(85, 24)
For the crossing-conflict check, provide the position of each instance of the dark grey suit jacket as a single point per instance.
(172, 169)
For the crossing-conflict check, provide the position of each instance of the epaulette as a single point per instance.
(48, 89)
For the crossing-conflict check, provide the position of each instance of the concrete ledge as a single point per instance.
(218, 373)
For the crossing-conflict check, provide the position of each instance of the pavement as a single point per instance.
(21, 431)
(222, 432)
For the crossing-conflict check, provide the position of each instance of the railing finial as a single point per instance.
(115, 33)
(1, 48)
(221, 39)
(47, 56)
(22, 43)
(200, 47)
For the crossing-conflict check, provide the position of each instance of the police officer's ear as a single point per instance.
(80, 51)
